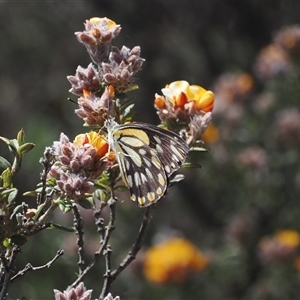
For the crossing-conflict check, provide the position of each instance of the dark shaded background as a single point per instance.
(192, 40)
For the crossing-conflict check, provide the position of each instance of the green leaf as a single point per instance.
(16, 210)
(21, 137)
(30, 194)
(65, 206)
(4, 164)
(7, 242)
(6, 178)
(103, 181)
(177, 178)
(121, 188)
(18, 239)
(131, 88)
(101, 195)
(85, 203)
(39, 210)
(13, 146)
(127, 114)
(60, 227)
(12, 196)
(191, 165)
(19, 218)
(5, 192)
(5, 140)
(25, 148)
(199, 149)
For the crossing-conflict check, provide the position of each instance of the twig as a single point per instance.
(107, 255)
(135, 248)
(32, 229)
(109, 228)
(47, 163)
(78, 224)
(29, 267)
(99, 222)
(8, 270)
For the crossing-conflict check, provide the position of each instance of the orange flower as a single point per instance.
(93, 138)
(172, 261)
(181, 92)
(159, 101)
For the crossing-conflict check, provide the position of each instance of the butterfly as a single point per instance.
(147, 156)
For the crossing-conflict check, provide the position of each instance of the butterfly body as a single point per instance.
(147, 157)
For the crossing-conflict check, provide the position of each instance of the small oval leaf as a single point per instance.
(6, 178)
(60, 227)
(26, 148)
(4, 164)
(85, 203)
(21, 137)
(12, 196)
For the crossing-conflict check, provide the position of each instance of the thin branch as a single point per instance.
(107, 255)
(29, 267)
(8, 270)
(78, 224)
(109, 228)
(32, 229)
(137, 244)
(47, 163)
(99, 222)
(135, 248)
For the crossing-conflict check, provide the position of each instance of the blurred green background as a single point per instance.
(248, 189)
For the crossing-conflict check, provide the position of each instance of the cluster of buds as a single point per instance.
(94, 110)
(113, 66)
(189, 105)
(78, 164)
(79, 293)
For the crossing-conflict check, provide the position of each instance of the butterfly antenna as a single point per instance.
(71, 100)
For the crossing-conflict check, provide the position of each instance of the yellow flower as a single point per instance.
(172, 261)
(94, 139)
(289, 238)
(181, 92)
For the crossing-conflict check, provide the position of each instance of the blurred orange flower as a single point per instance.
(297, 263)
(211, 135)
(289, 238)
(271, 62)
(172, 261)
(281, 246)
